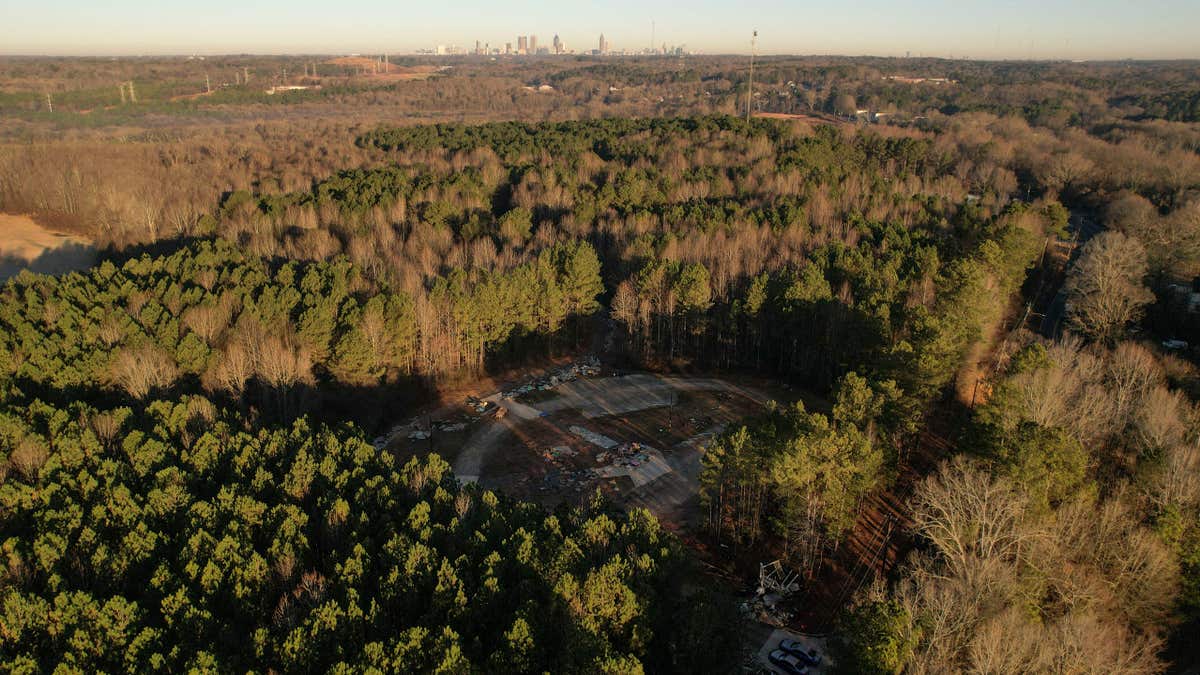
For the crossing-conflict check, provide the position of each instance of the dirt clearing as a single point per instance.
(638, 438)
(24, 244)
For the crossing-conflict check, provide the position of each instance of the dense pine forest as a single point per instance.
(983, 303)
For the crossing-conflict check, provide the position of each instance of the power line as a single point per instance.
(750, 88)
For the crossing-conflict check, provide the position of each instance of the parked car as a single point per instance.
(788, 663)
(810, 657)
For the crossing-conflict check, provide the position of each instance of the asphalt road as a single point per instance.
(1084, 227)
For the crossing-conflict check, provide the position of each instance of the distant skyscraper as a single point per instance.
(532, 44)
(558, 46)
(522, 44)
(508, 48)
(603, 44)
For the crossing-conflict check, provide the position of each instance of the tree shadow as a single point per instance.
(66, 257)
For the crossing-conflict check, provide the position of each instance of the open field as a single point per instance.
(384, 71)
(24, 244)
(813, 118)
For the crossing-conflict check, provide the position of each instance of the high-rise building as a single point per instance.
(603, 44)
(522, 44)
(558, 45)
(532, 44)
(508, 48)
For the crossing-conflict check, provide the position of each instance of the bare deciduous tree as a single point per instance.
(1105, 289)
(142, 370)
(967, 513)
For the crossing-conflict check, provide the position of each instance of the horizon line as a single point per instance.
(426, 55)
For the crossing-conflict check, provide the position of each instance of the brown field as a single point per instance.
(814, 118)
(24, 244)
(392, 71)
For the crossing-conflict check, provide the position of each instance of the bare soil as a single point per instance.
(26, 244)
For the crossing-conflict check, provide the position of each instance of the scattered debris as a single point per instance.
(588, 367)
(561, 480)
(759, 609)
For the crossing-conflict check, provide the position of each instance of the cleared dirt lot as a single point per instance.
(24, 244)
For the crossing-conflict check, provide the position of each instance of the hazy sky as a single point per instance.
(971, 28)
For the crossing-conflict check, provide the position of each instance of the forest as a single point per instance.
(982, 299)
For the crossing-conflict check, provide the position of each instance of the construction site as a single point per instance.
(562, 434)
(568, 431)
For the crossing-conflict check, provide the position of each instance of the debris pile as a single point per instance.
(766, 609)
(641, 463)
(479, 405)
(625, 454)
(558, 452)
(588, 367)
(775, 583)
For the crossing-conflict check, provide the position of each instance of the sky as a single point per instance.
(1012, 29)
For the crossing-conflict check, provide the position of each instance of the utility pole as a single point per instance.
(750, 88)
(49, 103)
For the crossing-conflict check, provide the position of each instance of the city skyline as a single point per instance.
(1106, 29)
(527, 45)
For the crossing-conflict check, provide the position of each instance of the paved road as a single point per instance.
(1086, 228)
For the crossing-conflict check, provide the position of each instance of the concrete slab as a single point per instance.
(592, 437)
(652, 469)
(599, 397)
